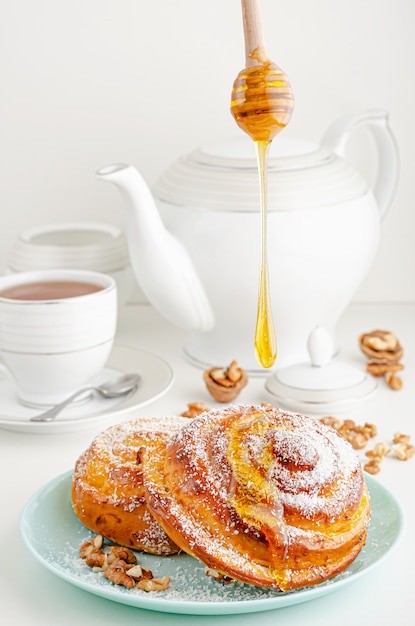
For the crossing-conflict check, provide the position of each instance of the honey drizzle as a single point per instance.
(265, 341)
(253, 494)
(262, 104)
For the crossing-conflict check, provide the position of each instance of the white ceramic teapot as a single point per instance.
(196, 256)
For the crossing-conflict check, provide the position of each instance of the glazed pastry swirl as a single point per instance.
(271, 498)
(107, 487)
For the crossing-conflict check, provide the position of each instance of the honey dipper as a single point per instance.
(262, 104)
(262, 99)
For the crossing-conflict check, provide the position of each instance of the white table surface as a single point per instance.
(31, 595)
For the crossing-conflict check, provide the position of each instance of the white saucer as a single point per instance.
(156, 378)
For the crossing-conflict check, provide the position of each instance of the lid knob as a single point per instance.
(320, 347)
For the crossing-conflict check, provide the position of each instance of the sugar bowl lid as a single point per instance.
(323, 385)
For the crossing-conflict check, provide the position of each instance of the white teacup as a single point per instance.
(57, 329)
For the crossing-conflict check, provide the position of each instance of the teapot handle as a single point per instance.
(377, 121)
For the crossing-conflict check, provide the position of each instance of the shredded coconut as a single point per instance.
(108, 473)
(299, 468)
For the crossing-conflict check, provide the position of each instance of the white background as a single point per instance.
(84, 83)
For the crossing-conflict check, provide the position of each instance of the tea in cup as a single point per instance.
(57, 329)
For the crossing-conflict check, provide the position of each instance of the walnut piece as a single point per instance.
(120, 566)
(98, 560)
(194, 409)
(372, 467)
(233, 372)
(380, 368)
(359, 441)
(381, 448)
(91, 546)
(382, 345)
(393, 381)
(359, 436)
(121, 553)
(155, 584)
(376, 456)
(383, 349)
(371, 429)
(404, 451)
(138, 572)
(334, 422)
(354, 433)
(225, 384)
(135, 572)
(401, 438)
(117, 573)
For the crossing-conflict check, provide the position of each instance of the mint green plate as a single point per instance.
(53, 534)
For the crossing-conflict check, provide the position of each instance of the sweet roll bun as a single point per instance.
(270, 498)
(107, 487)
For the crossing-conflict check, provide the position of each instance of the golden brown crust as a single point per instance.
(107, 488)
(270, 498)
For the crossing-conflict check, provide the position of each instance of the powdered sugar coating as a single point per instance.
(108, 492)
(307, 456)
(266, 496)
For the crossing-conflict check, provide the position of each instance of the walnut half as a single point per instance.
(384, 351)
(381, 345)
(225, 384)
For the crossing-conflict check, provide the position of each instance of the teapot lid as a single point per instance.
(240, 152)
(224, 177)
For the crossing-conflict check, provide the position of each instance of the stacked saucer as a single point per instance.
(92, 246)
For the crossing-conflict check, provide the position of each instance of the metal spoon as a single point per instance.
(109, 389)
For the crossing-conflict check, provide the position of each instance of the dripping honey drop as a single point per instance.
(265, 342)
(262, 105)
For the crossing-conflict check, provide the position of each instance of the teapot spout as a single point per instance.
(161, 264)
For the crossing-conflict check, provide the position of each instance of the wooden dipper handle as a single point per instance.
(255, 51)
